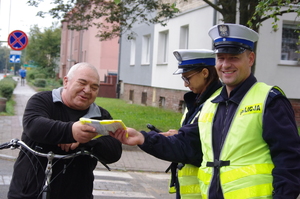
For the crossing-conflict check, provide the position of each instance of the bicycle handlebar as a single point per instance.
(45, 192)
(15, 143)
(5, 145)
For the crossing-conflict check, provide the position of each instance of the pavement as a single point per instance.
(132, 159)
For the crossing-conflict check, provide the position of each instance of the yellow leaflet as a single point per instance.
(103, 127)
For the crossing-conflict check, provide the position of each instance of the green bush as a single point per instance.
(40, 83)
(40, 76)
(30, 76)
(10, 79)
(7, 86)
(35, 74)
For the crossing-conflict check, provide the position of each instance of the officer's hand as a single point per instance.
(129, 136)
(170, 132)
(83, 133)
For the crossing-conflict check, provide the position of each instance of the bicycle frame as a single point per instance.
(15, 143)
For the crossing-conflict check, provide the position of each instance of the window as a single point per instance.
(182, 106)
(163, 47)
(131, 94)
(146, 50)
(162, 102)
(184, 37)
(132, 52)
(144, 98)
(290, 42)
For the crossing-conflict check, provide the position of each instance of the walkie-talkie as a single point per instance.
(153, 128)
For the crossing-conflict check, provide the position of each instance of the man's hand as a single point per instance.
(83, 133)
(129, 136)
(67, 147)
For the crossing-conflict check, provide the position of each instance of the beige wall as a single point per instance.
(84, 46)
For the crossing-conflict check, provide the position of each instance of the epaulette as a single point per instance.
(276, 91)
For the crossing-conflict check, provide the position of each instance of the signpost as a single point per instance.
(15, 56)
(17, 40)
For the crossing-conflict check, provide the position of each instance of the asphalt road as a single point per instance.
(110, 184)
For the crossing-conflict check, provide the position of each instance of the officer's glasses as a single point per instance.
(187, 79)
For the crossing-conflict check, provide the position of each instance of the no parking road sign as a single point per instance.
(17, 40)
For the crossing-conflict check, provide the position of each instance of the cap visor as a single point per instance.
(230, 50)
(178, 71)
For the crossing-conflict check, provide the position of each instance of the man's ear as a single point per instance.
(251, 57)
(65, 81)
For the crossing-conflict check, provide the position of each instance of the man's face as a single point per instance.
(233, 69)
(81, 90)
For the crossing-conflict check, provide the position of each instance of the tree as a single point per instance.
(43, 49)
(5, 65)
(119, 14)
(267, 9)
(253, 13)
(4, 57)
(122, 14)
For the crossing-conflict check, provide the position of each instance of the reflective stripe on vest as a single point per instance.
(188, 182)
(248, 173)
(188, 175)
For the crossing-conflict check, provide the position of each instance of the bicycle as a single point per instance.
(45, 192)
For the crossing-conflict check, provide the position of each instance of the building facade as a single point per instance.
(144, 64)
(84, 46)
(147, 64)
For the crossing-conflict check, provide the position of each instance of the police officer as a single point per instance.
(248, 132)
(197, 67)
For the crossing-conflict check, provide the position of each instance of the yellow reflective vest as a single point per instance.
(187, 176)
(249, 170)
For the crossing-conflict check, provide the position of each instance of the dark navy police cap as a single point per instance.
(192, 59)
(232, 38)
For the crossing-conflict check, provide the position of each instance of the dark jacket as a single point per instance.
(279, 132)
(46, 124)
(194, 104)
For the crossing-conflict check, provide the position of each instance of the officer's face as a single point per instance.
(233, 69)
(195, 80)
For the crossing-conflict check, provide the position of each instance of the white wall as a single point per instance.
(199, 21)
(269, 68)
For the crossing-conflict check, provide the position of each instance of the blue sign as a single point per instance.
(14, 58)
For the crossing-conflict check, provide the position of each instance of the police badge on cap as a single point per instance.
(223, 30)
(232, 38)
(192, 59)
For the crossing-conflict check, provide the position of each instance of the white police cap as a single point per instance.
(191, 59)
(232, 38)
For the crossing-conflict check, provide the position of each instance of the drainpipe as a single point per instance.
(80, 45)
(214, 19)
(71, 50)
(119, 67)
